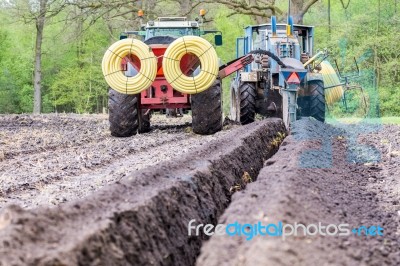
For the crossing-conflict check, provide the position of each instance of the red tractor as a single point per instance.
(130, 114)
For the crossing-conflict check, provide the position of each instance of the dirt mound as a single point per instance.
(141, 220)
(318, 176)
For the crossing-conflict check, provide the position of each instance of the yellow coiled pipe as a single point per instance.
(115, 76)
(208, 61)
(330, 78)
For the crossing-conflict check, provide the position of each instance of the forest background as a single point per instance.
(51, 50)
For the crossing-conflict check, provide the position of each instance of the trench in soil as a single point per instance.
(143, 219)
(321, 174)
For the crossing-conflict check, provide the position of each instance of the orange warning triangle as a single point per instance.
(293, 78)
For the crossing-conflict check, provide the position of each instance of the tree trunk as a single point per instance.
(296, 11)
(37, 76)
(299, 8)
(258, 19)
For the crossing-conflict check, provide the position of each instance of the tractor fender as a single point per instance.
(314, 77)
(311, 76)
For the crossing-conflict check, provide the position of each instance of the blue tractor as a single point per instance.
(284, 78)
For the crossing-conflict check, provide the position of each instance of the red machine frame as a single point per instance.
(161, 95)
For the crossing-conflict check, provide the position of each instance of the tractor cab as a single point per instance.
(172, 26)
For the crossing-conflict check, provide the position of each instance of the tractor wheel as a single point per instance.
(207, 110)
(317, 100)
(123, 114)
(247, 94)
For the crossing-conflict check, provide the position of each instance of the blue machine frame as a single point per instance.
(271, 36)
(280, 63)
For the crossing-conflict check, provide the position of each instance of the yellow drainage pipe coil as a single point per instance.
(330, 78)
(115, 76)
(208, 60)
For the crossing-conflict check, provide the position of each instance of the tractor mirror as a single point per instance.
(122, 37)
(218, 40)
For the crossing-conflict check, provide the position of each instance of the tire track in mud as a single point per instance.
(142, 220)
(21, 135)
(56, 176)
(75, 139)
(79, 184)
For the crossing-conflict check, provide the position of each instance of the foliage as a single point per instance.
(76, 38)
(231, 28)
(16, 90)
(369, 38)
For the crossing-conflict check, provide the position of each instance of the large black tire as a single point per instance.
(123, 114)
(248, 93)
(207, 110)
(317, 100)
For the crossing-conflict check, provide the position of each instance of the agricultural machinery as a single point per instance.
(284, 80)
(168, 65)
(174, 68)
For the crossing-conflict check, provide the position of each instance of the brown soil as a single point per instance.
(142, 218)
(90, 199)
(343, 174)
(53, 159)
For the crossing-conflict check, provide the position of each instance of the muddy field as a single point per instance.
(53, 159)
(84, 198)
(347, 174)
(141, 219)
